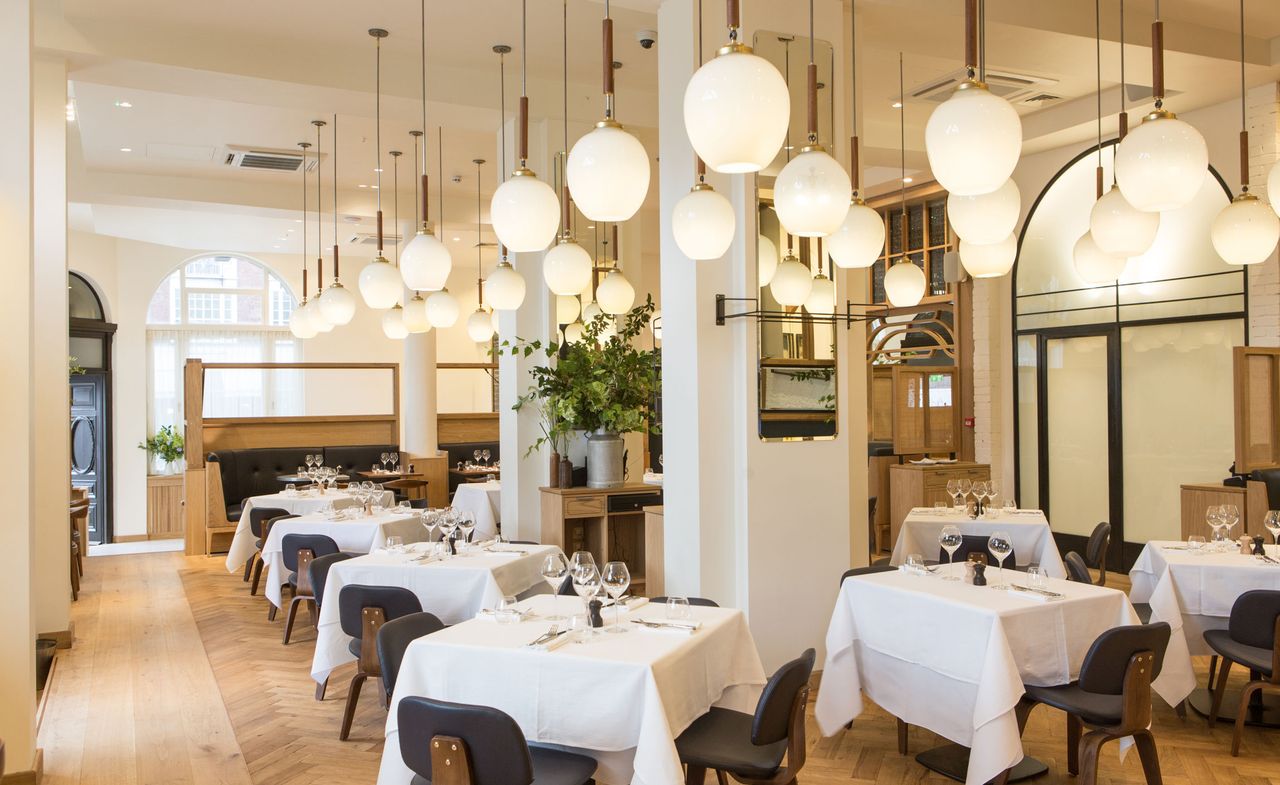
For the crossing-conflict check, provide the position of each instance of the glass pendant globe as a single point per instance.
(973, 140)
(1119, 228)
(703, 223)
(985, 219)
(567, 268)
(608, 173)
(1161, 164)
(300, 322)
(573, 333)
(442, 309)
(318, 321)
(766, 260)
(822, 297)
(736, 111)
(1095, 265)
(811, 194)
(494, 320)
(337, 304)
(859, 240)
(608, 330)
(615, 294)
(504, 291)
(525, 213)
(393, 324)
(480, 326)
(425, 263)
(792, 282)
(1246, 231)
(904, 285)
(567, 309)
(415, 315)
(380, 284)
(989, 260)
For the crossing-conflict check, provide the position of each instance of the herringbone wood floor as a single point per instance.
(113, 717)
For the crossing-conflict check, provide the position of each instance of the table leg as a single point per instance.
(1263, 712)
(952, 760)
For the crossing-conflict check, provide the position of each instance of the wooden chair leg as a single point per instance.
(271, 611)
(75, 580)
(314, 611)
(1146, 745)
(1089, 747)
(1074, 729)
(695, 775)
(289, 619)
(257, 577)
(902, 737)
(248, 567)
(1218, 691)
(1213, 669)
(320, 688)
(349, 713)
(721, 778)
(1238, 733)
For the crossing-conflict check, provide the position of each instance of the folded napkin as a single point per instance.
(554, 643)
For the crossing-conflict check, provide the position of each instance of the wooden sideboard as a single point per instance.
(614, 524)
(165, 515)
(914, 485)
(1250, 500)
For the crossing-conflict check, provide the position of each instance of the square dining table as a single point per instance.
(1028, 529)
(619, 698)
(454, 588)
(953, 658)
(484, 501)
(294, 503)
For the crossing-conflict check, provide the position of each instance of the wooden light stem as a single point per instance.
(379, 233)
(1098, 182)
(426, 196)
(304, 283)
(615, 246)
(523, 138)
(319, 273)
(971, 34)
(336, 276)
(854, 174)
(699, 167)
(813, 102)
(733, 16)
(566, 210)
(1157, 62)
(607, 47)
(1124, 125)
(1244, 160)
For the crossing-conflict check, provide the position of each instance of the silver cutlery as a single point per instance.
(1044, 592)
(554, 632)
(658, 625)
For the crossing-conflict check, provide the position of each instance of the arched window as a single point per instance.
(222, 308)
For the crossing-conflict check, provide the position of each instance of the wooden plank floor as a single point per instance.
(173, 657)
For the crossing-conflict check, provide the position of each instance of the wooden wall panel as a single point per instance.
(165, 515)
(1257, 407)
(464, 428)
(249, 432)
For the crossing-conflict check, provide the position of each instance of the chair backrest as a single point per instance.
(1103, 671)
(1271, 479)
(319, 569)
(1095, 552)
(977, 543)
(772, 720)
(1077, 570)
(394, 601)
(394, 638)
(420, 504)
(1253, 618)
(699, 601)
(497, 751)
(872, 570)
(260, 515)
(318, 544)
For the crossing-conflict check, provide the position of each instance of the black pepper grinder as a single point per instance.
(593, 613)
(1258, 548)
(453, 545)
(979, 574)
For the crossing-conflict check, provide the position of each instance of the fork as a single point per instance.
(546, 636)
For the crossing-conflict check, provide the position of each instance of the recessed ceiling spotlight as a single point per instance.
(276, 247)
(362, 185)
(378, 170)
(123, 105)
(297, 220)
(906, 179)
(126, 149)
(457, 239)
(896, 105)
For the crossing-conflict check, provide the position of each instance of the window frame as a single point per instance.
(265, 292)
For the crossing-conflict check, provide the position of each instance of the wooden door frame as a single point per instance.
(92, 328)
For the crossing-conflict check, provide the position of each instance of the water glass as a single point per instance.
(915, 563)
(291, 489)
(1000, 544)
(395, 542)
(1010, 505)
(508, 610)
(1035, 576)
(1196, 543)
(677, 608)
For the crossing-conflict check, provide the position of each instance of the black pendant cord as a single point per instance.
(377, 132)
(699, 168)
(902, 151)
(479, 274)
(440, 176)
(854, 164)
(1123, 125)
(1244, 120)
(423, 173)
(1097, 49)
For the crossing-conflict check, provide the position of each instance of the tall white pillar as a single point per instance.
(418, 394)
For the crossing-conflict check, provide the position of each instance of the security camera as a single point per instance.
(647, 38)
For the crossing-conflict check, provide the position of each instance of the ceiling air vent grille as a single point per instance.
(1006, 84)
(370, 239)
(268, 160)
(1041, 98)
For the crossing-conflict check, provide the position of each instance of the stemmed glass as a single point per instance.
(448, 524)
(485, 454)
(1230, 517)
(1213, 517)
(979, 492)
(616, 580)
(993, 490)
(394, 457)
(950, 539)
(428, 519)
(554, 568)
(475, 454)
(1000, 545)
(953, 490)
(382, 458)
(964, 486)
(466, 522)
(1272, 522)
(586, 582)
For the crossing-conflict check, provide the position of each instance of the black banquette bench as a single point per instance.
(465, 452)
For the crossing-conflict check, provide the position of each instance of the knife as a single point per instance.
(1044, 592)
(554, 632)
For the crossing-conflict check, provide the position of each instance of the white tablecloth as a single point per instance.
(454, 589)
(1032, 538)
(620, 698)
(952, 657)
(299, 503)
(1193, 592)
(484, 501)
(359, 535)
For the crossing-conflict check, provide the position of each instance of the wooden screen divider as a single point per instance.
(1257, 407)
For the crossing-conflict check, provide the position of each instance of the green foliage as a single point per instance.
(73, 366)
(167, 444)
(593, 384)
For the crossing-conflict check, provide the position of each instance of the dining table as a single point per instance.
(952, 657)
(296, 502)
(454, 588)
(1028, 530)
(484, 501)
(620, 698)
(1193, 589)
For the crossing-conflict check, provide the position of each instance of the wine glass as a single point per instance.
(448, 524)
(428, 518)
(554, 569)
(1000, 545)
(953, 490)
(616, 579)
(993, 489)
(1230, 517)
(467, 522)
(950, 539)
(1213, 517)
(382, 458)
(475, 455)
(485, 454)
(1272, 522)
(965, 487)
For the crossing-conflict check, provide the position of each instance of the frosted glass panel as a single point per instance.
(1028, 435)
(1164, 369)
(1076, 397)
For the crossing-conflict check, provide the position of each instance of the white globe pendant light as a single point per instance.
(567, 309)
(567, 267)
(525, 212)
(338, 304)
(590, 311)
(504, 291)
(1246, 231)
(1161, 164)
(736, 106)
(812, 193)
(986, 218)
(822, 296)
(415, 315)
(1095, 265)
(318, 321)
(766, 260)
(608, 173)
(703, 223)
(425, 262)
(859, 241)
(989, 260)
(393, 323)
(607, 330)
(300, 322)
(1121, 229)
(904, 284)
(973, 140)
(442, 309)
(480, 326)
(380, 284)
(792, 281)
(615, 294)
(1273, 187)
(573, 332)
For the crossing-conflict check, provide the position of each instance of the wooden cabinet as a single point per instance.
(1250, 500)
(913, 485)
(615, 524)
(165, 516)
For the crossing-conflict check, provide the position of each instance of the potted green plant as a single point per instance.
(165, 449)
(601, 384)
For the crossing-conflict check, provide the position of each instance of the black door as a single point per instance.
(89, 446)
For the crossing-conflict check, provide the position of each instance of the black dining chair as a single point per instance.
(319, 571)
(1095, 551)
(1077, 570)
(751, 747)
(420, 504)
(701, 602)
(1112, 698)
(1252, 639)
(977, 543)
(394, 638)
(258, 517)
(298, 551)
(479, 745)
(362, 610)
(872, 570)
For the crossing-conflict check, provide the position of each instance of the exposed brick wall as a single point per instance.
(1262, 114)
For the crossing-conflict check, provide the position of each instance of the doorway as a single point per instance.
(89, 346)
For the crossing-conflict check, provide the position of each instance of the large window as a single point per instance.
(222, 308)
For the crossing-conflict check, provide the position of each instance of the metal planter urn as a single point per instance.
(604, 459)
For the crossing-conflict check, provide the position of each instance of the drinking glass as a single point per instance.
(1213, 517)
(1195, 543)
(467, 522)
(475, 454)
(395, 460)
(448, 524)
(586, 584)
(953, 490)
(616, 580)
(1000, 545)
(554, 569)
(950, 539)
(1230, 517)
(428, 519)
(993, 489)
(1272, 522)
(301, 472)
(291, 489)
(394, 543)
(373, 467)
(507, 610)
(915, 563)
(1010, 505)
(485, 454)
(965, 487)
(677, 608)
(1035, 576)
(383, 458)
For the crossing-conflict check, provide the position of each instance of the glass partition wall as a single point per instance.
(1123, 391)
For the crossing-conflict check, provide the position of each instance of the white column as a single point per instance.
(418, 394)
(17, 660)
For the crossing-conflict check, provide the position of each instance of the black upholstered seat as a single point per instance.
(1252, 639)
(318, 544)
(492, 742)
(698, 601)
(256, 472)
(1092, 707)
(362, 611)
(358, 457)
(394, 638)
(420, 504)
(298, 551)
(1271, 479)
(319, 569)
(721, 739)
(1255, 658)
(872, 570)
(1077, 570)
